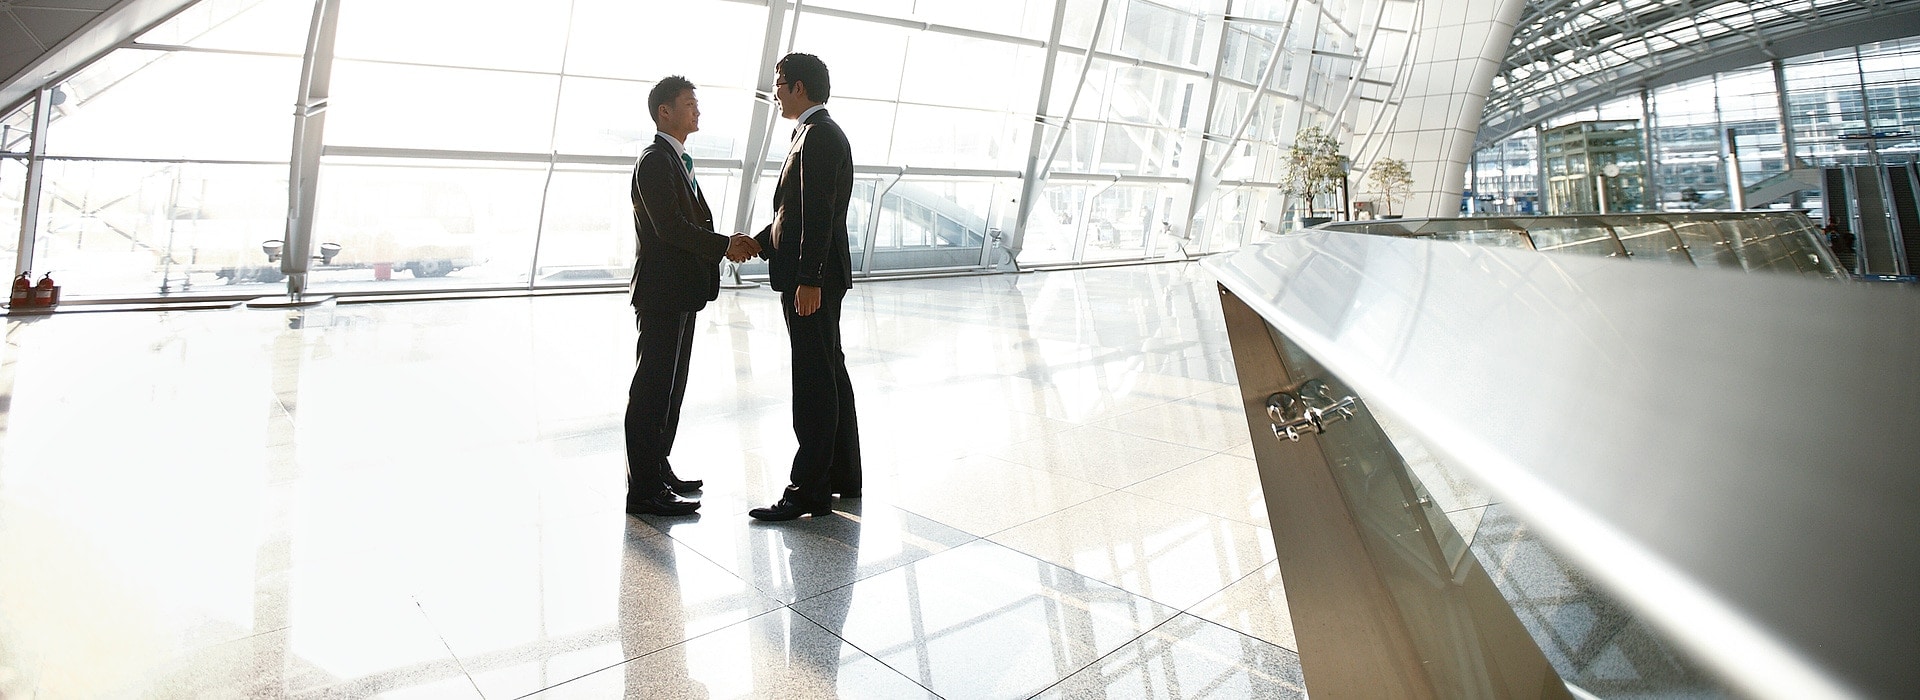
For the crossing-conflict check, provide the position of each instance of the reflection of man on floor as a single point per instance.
(653, 623)
(834, 561)
(676, 271)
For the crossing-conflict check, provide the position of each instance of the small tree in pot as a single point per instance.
(1313, 166)
(1393, 180)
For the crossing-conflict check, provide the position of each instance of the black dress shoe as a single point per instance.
(788, 510)
(676, 483)
(663, 503)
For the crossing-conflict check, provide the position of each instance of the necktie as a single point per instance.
(691, 182)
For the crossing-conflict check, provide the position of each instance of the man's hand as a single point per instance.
(806, 299)
(740, 247)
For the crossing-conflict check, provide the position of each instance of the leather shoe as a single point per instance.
(788, 510)
(663, 503)
(677, 484)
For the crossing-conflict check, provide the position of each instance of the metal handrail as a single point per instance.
(1732, 456)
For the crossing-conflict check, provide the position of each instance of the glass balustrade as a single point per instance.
(1752, 241)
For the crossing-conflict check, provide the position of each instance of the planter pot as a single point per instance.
(1312, 221)
(1390, 216)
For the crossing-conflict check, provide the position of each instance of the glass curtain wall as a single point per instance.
(489, 145)
(1854, 106)
(16, 141)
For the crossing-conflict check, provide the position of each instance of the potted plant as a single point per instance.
(1393, 180)
(1313, 166)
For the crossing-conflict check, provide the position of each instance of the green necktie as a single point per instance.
(688, 160)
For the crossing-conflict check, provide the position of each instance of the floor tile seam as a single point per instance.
(1116, 586)
(988, 536)
(1096, 661)
(856, 647)
(889, 569)
(442, 636)
(683, 642)
(1211, 454)
(1129, 489)
(1463, 509)
(1251, 571)
(1236, 582)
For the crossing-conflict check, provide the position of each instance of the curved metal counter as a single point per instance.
(1734, 456)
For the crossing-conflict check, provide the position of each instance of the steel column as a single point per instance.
(309, 130)
(36, 175)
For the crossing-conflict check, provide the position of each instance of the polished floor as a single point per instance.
(423, 500)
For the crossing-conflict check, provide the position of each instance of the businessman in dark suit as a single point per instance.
(811, 266)
(676, 271)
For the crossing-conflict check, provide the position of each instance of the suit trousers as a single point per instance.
(824, 421)
(653, 401)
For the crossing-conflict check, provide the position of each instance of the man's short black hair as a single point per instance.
(664, 93)
(807, 70)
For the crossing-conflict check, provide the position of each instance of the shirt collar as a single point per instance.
(809, 112)
(679, 149)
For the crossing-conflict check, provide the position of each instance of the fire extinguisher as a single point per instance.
(22, 291)
(45, 294)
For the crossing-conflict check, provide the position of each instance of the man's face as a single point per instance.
(792, 100)
(682, 115)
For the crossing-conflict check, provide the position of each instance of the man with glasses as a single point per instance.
(811, 265)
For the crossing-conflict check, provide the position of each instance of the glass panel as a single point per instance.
(426, 223)
(1237, 215)
(441, 108)
(587, 235)
(1705, 244)
(932, 223)
(1651, 241)
(1122, 221)
(609, 117)
(1055, 224)
(603, 42)
(140, 229)
(1581, 236)
(869, 126)
(13, 185)
(130, 106)
(1159, 33)
(957, 138)
(16, 130)
(995, 75)
(505, 34)
(883, 56)
(1028, 18)
(277, 26)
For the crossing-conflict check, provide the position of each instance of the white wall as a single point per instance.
(1461, 44)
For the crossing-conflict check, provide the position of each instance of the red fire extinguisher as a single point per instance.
(22, 291)
(45, 294)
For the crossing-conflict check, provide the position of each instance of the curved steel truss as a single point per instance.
(1573, 54)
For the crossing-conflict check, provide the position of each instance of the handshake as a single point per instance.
(741, 247)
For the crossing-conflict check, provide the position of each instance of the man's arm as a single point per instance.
(652, 192)
(765, 239)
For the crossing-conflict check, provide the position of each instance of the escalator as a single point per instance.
(1904, 184)
(1882, 209)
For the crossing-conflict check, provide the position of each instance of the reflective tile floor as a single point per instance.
(423, 500)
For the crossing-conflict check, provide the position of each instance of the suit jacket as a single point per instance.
(676, 265)
(810, 210)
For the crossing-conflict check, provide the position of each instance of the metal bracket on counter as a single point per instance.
(1308, 411)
